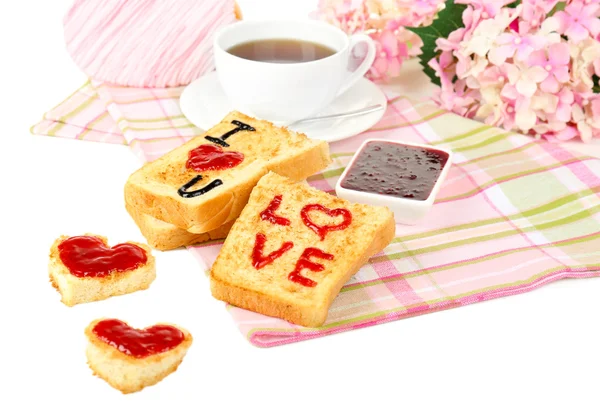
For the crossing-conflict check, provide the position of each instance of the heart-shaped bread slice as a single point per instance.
(86, 269)
(131, 359)
(292, 249)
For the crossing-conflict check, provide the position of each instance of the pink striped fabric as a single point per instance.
(513, 214)
(145, 43)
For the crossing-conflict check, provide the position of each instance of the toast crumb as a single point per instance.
(269, 289)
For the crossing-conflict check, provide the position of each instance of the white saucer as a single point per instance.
(204, 103)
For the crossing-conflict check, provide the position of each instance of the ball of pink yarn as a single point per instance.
(145, 43)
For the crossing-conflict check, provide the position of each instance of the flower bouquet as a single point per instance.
(531, 66)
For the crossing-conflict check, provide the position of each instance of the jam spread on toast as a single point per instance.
(138, 343)
(210, 158)
(398, 170)
(88, 256)
(322, 230)
(269, 213)
(259, 260)
(305, 263)
(240, 127)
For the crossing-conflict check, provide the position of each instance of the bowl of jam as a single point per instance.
(404, 177)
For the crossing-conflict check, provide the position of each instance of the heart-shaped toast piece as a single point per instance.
(322, 230)
(211, 157)
(130, 359)
(138, 343)
(86, 269)
(89, 256)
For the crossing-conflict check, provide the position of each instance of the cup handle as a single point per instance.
(362, 69)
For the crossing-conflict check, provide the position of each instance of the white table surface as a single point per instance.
(536, 350)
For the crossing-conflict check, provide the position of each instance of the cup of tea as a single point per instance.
(285, 71)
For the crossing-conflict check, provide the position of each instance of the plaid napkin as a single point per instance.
(513, 214)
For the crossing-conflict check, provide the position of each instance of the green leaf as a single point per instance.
(559, 7)
(448, 20)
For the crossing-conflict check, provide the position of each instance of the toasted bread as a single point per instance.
(126, 372)
(301, 296)
(165, 236)
(83, 289)
(200, 198)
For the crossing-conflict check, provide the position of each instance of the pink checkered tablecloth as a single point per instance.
(513, 214)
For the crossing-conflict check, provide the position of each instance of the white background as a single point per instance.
(537, 350)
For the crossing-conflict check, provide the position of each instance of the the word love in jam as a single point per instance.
(304, 261)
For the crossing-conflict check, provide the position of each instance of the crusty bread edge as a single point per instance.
(267, 305)
(163, 241)
(178, 213)
(305, 164)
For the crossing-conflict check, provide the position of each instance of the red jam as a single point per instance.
(88, 256)
(269, 213)
(259, 260)
(305, 263)
(322, 230)
(211, 157)
(138, 343)
(398, 170)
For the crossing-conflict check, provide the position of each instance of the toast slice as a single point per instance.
(131, 359)
(206, 182)
(165, 236)
(293, 270)
(88, 276)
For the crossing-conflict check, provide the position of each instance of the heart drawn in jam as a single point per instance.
(322, 230)
(138, 343)
(89, 256)
(210, 158)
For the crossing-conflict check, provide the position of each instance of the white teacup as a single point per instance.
(284, 93)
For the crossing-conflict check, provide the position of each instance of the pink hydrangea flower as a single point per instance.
(489, 7)
(534, 13)
(407, 13)
(579, 20)
(389, 55)
(555, 60)
(487, 31)
(563, 108)
(349, 15)
(513, 44)
(526, 68)
(384, 21)
(525, 79)
(582, 122)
